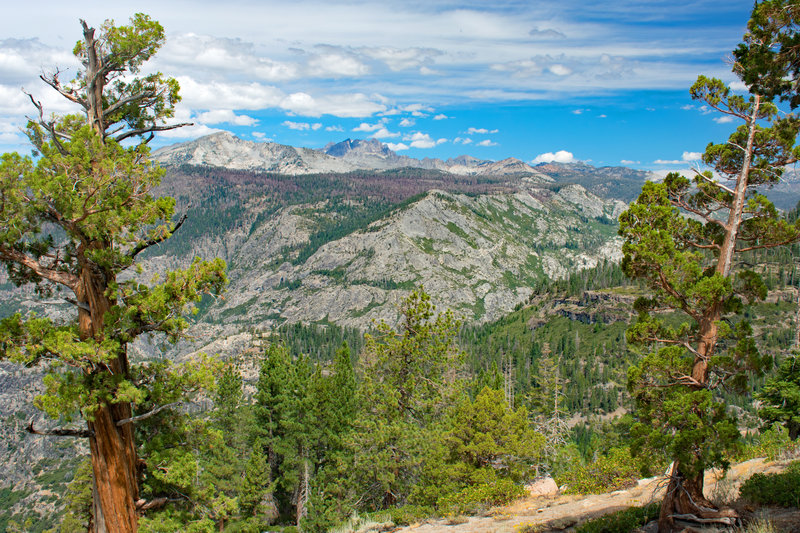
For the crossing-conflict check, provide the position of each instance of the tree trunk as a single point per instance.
(684, 496)
(115, 487)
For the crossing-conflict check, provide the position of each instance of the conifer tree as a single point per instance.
(683, 238)
(72, 221)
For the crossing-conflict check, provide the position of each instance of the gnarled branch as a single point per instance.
(61, 432)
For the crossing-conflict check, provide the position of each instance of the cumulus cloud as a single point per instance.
(301, 126)
(422, 140)
(418, 110)
(629, 162)
(691, 156)
(397, 147)
(368, 127)
(402, 58)
(227, 116)
(189, 132)
(480, 131)
(334, 128)
(201, 52)
(260, 135)
(486, 142)
(407, 122)
(335, 61)
(460, 140)
(723, 120)
(669, 162)
(562, 156)
(440, 116)
(560, 70)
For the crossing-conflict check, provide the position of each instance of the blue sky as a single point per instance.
(602, 82)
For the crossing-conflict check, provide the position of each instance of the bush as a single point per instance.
(772, 443)
(774, 489)
(474, 498)
(622, 521)
(615, 471)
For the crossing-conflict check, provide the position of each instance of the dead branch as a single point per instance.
(60, 432)
(146, 415)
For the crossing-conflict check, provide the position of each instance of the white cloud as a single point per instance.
(334, 61)
(577, 111)
(723, 120)
(486, 142)
(383, 133)
(334, 128)
(602, 116)
(364, 126)
(189, 132)
(440, 116)
(562, 156)
(397, 147)
(459, 140)
(669, 162)
(407, 122)
(687, 107)
(691, 156)
(629, 162)
(560, 70)
(739, 86)
(422, 140)
(219, 116)
(260, 135)
(480, 131)
(301, 126)
(190, 51)
(418, 110)
(402, 58)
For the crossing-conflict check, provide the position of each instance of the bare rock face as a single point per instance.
(542, 488)
(224, 149)
(478, 256)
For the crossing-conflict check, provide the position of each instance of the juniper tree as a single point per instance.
(73, 220)
(683, 237)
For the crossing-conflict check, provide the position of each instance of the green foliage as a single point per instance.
(780, 396)
(615, 471)
(623, 521)
(774, 489)
(769, 57)
(772, 443)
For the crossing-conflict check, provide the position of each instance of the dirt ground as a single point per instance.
(563, 513)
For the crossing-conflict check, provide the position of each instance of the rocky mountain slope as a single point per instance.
(228, 151)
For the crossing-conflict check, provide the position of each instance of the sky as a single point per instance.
(605, 83)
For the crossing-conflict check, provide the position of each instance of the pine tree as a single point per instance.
(74, 219)
(780, 396)
(682, 238)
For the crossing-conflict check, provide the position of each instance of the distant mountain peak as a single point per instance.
(361, 146)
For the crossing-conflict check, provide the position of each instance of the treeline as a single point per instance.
(315, 441)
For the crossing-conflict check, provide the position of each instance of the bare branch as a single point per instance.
(142, 131)
(146, 415)
(61, 432)
(716, 183)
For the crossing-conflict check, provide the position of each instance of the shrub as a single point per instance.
(622, 521)
(474, 498)
(774, 489)
(772, 443)
(615, 471)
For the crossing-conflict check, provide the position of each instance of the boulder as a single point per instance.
(542, 488)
